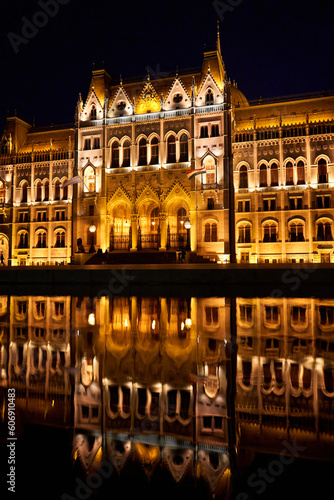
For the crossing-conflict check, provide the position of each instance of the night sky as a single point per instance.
(269, 47)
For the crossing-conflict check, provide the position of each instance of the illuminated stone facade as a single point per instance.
(266, 195)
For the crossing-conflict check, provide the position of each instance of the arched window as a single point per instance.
(289, 174)
(154, 151)
(155, 220)
(57, 189)
(126, 154)
(171, 149)
(181, 217)
(322, 171)
(210, 166)
(60, 238)
(274, 174)
(244, 233)
(209, 100)
(211, 232)
(300, 172)
(24, 192)
(41, 238)
(215, 130)
(142, 152)
(263, 175)
(46, 190)
(65, 190)
(243, 177)
(184, 148)
(89, 179)
(23, 240)
(296, 231)
(204, 132)
(38, 190)
(270, 232)
(2, 192)
(324, 231)
(93, 113)
(115, 155)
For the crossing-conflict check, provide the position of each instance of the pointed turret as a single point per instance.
(213, 62)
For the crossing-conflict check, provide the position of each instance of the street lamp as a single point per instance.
(187, 225)
(92, 229)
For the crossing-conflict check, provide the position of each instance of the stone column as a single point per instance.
(163, 231)
(134, 232)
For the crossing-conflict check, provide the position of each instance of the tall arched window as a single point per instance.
(142, 152)
(322, 171)
(57, 189)
(38, 190)
(2, 192)
(296, 231)
(65, 190)
(46, 190)
(23, 240)
(154, 151)
(243, 177)
(274, 174)
(60, 238)
(209, 100)
(93, 113)
(89, 179)
(270, 232)
(184, 148)
(181, 217)
(289, 174)
(300, 172)
(324, 231)
(24, 192)
(263, 175)
(155, 220)
(126, 154)
(244, 233)
(41, 238)
(171, 149)
(211, 232)
(115, 155)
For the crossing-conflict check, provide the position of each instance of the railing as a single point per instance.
(209, 109)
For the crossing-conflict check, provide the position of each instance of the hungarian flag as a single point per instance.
(75, 180)
(192, 173)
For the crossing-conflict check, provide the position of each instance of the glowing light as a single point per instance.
(91, 319)
(188, 323)
(92, 228)
(153, 324)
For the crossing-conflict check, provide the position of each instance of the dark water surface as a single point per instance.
(166, 397)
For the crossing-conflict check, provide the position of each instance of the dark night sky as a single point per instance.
(270, 47)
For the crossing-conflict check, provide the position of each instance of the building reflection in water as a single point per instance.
(177, 388)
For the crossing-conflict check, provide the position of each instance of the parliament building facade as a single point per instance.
(264, 195)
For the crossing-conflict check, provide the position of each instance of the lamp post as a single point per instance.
(92, 229)
(187, 225)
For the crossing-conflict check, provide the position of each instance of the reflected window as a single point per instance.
(211, 315)
(326, 314)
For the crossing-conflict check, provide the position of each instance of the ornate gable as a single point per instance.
(210, 85)
(121, 104)
(177, 96)
(148, 101)
(91, 102)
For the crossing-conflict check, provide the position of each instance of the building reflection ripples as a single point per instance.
(172, 391)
